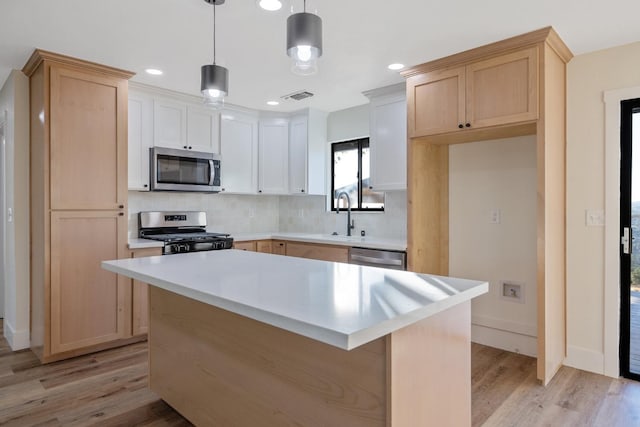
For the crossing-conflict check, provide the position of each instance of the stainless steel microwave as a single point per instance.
(184, 170)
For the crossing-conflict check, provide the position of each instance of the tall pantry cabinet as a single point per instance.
(78, 205)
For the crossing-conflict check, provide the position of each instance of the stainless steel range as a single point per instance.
(181, 232)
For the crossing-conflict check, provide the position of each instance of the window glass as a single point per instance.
(351, 174)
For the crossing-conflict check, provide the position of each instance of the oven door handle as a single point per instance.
(212, 172)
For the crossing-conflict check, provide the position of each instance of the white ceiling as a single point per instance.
(360, 39)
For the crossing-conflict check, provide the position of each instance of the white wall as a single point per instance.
(14, 99)
(486, 176)
(350, 123)
(589, 76)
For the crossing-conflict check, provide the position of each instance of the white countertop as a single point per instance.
(339, 304)
(328, 239)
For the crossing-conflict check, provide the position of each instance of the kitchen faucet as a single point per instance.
(350, 224)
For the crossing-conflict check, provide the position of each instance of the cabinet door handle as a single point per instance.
(468, 125)
(460, 125)
(121, 206)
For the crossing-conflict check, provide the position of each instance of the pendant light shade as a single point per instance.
(214, 79)
(304, 42)
(214, 84)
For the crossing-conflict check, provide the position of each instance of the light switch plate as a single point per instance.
(494, 216)
(594, 218)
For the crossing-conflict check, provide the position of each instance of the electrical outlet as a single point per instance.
(513, 291)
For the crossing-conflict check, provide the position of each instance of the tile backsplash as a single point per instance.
(261, 213)
(308, 214)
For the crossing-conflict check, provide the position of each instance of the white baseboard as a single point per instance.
(585, 359)
(17, 340)
(504, 340)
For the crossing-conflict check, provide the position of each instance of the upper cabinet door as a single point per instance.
(239, 151)
(88, 151)
(388, 143)
(140, 140)
(273, 155)
(169, 124)
(436, 102)
(203, 129)
(298, 155)
(503, 89)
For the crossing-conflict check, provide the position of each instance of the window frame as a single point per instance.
(361, 143)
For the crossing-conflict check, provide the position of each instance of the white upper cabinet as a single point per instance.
(273, 156)
(203, 129)
(388, 138)
(169, 124)
(298, 155)
(239, 152)
(308, 153)
(140, 139)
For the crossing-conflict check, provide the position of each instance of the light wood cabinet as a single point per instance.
(264, 246)
(279, 247)
(140, 297)
(513, 87)
(245, 246)
(500, 90)
(78, 204)
(318, 251)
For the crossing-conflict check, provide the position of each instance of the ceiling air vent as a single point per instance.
(298, 96)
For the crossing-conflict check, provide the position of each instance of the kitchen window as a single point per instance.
(350, 171)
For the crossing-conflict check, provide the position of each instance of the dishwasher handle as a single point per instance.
(377, 261)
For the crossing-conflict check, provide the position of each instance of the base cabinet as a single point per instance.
(139, 296)
(316, 251)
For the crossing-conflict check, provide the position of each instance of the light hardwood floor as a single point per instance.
(110, 389)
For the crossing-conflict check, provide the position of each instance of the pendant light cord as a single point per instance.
(214, 34)
(304, 6)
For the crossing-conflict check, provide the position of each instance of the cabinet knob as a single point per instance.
(121, 206)
(468, 125)
(222, 189)
(302, 190)
(145, 186)
(120, 213)
(460, 125)
(259, 191)
(190, 147)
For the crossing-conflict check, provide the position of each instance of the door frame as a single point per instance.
(4, 125)
(611, 335)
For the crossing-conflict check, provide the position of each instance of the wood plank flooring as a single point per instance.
(109, 388)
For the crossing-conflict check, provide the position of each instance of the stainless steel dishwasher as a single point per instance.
(396, 260)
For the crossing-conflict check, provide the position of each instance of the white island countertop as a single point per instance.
(343, 305)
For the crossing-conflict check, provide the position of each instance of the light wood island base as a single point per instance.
(221, 369)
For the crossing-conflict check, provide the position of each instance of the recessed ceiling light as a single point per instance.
(273, 103)
(154, 71)
(270, 5)
(395, 66)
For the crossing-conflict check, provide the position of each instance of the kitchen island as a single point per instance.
(242, 338)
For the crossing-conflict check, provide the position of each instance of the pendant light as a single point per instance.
(304, 41)
(214, 79)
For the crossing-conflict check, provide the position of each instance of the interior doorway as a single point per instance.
(630, 240)
(3, 235)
